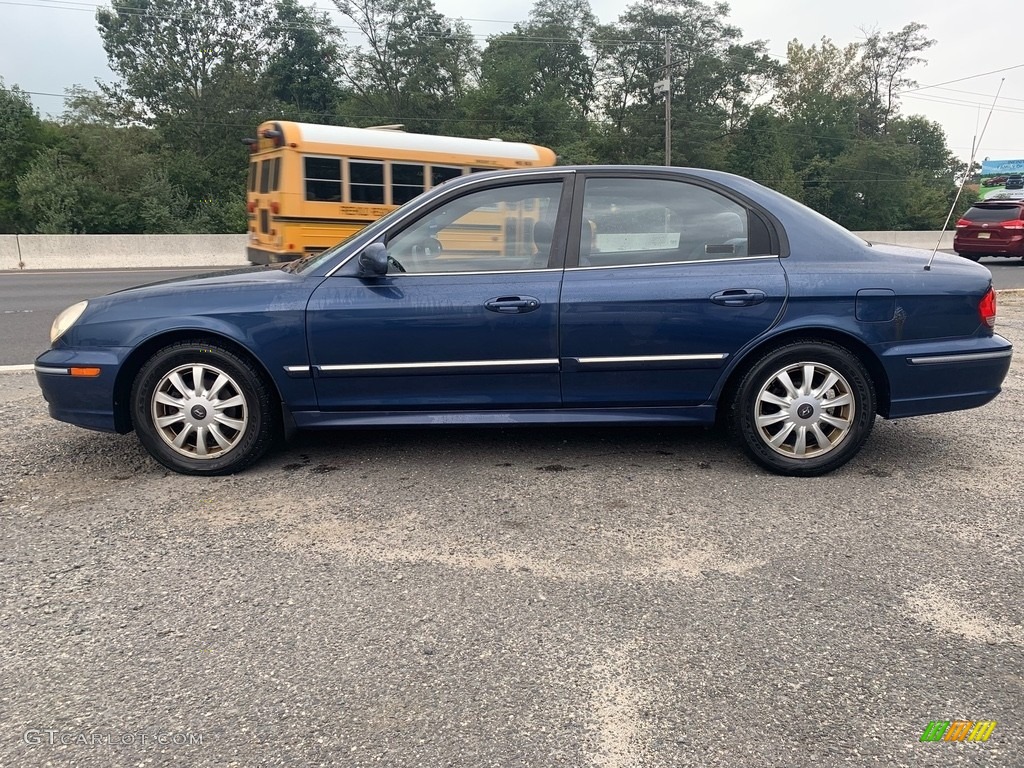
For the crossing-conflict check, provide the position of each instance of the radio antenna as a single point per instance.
(970, 168)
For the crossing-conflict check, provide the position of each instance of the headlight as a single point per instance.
(66, 319)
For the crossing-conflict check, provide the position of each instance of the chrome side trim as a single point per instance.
(54, 371)
(478, 272)
(673, 263)
(297, 368)
(421, 366)
(650, 359)
(968, 358)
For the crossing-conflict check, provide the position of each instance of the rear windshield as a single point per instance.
(993, 213)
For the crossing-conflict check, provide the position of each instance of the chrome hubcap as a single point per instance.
(805, 410)
(199, 411)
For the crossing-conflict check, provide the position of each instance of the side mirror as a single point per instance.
(373, 261)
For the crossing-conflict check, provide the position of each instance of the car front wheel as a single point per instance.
(201, 409)
(804, 409)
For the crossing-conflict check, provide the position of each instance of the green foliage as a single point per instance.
(23, 136)
(416, 65)
(304, 67)
(159, 149)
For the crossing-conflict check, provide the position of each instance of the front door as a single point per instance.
(466, 317)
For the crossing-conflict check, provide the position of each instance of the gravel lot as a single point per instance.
(607, 598)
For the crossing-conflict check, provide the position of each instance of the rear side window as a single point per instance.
(655, 221)
(323, 179)
(264, 177)
(993, 213)
(439, 174)
(252, 176)
(366, 182)
(275, 175)
(406, 182)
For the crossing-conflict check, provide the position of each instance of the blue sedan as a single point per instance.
(588, 295)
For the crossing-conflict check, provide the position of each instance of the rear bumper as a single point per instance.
(954, 375)
(1012, 247)
(84, 402)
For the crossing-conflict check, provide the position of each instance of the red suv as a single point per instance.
(991, 228)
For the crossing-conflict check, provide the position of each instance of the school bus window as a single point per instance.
(481, 170)
(323, 179)
(275, 175)
(442, 173)
(264, 177)
(299, 167)
(406, 182)
(366, 181)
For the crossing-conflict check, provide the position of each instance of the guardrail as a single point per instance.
(147, 251)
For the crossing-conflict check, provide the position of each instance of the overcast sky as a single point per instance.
(49, 45)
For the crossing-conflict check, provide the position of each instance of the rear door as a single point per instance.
(667, 278)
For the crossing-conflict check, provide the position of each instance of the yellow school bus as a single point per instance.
(310, 186)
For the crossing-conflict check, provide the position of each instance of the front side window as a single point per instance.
(252, 176)
(366, 181)
(656, 221)
(499, 229)
(323, 179)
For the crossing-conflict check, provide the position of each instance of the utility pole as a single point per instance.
(668, 100)
(665, 86)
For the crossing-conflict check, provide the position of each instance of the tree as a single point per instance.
(193, 69)
(763, 151)
(304, 63)
(23, 135)
(537, 82)
(714, 78)
(415, 65)
(886, 60)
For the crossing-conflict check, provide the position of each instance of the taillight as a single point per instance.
(987, 308)
(963, 223)
(251, 207)
(1015, 224)
(275, 207)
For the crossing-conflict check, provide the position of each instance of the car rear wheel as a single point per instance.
(804, 409)
(971, 256)
(201, 409)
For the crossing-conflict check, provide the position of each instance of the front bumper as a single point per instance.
(87, 402)
(941, 376)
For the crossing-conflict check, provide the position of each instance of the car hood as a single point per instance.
(220, 279)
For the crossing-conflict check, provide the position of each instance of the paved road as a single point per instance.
(30, 300)
(513, 599)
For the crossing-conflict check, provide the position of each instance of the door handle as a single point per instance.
(511, 305)
(739, 297)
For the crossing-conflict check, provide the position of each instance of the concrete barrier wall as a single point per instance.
(9, 252)
(147, 251)
(127, 251)
(911, 239)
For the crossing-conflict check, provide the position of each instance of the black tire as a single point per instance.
(970, 256)
(229, 417)
(816, 412)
